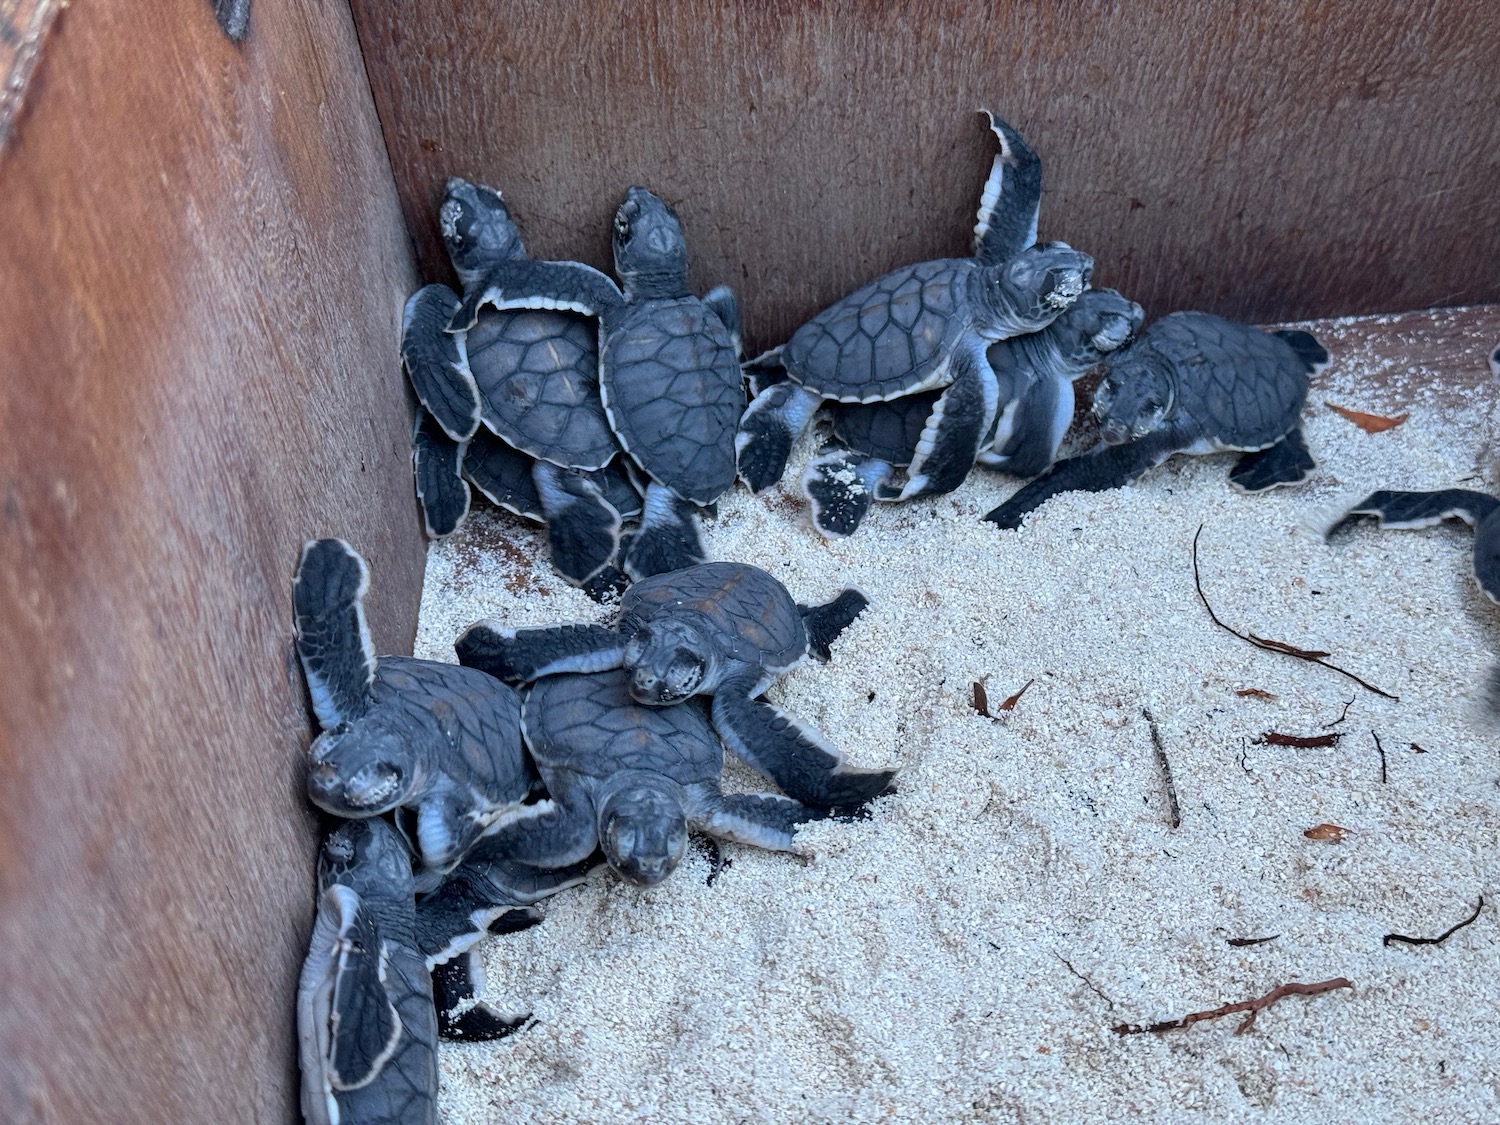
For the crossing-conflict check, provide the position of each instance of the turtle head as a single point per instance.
(477, 229)
(1038, 284)
(667, 660)
(362, 769)
(1100, 322)
(1136, 396)
(642, 827)
(650, 251)
(367, 855)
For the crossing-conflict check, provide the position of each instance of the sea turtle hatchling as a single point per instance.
(631, 780)
(440, 742)
(1192, 383)
(925, 327)
(1034, 372)
(366, 1024)
(724, 629)
(527, 376)
(669, 375)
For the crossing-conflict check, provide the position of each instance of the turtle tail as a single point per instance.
(1308, 350)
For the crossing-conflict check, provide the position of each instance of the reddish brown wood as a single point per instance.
(201, 277)
(1264, 160)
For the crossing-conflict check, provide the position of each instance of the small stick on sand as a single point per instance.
(1309, 655)
(1251, 1007)
(1297, 741)
(1380, 748)
(1344, 714)
(1173, 808)
(1442, 937)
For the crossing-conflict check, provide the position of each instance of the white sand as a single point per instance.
(963, 954)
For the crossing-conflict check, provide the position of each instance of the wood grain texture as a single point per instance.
(1264, 160)
(201, 280)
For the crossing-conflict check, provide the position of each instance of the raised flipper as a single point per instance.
(1413, 510)
(1103, 468)
(825, 622)
(447, 827)
(442, 492)
(760, 819)
(797, 759)
(956, 428)
(1286, 462)
(1042, 418)
(519, 656)
(461, 1016)
(668, 537)
(502, 474)
(721, 302)
(1011, 200)
(764, 371)
(436, 364)
(768, 428)
(520, 283)
(583, 528)
(840, 485)
(333, 640)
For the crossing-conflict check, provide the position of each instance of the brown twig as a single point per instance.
(1297, 741)
(1251, 1007)
(1311, 656)
(1380, 748)
(1173, 808)
(1344, 714)
(1442, 937)
(1241, 942)
(1094, 988)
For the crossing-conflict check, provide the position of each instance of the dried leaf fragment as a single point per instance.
(1330, 832)
(1297, 741)
(1254, 693)
(1370, 423)
(981, 701)
(1012, 700)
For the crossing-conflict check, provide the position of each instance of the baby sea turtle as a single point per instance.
(724, 629)
(632, 780)
(366, 1025)
(1411, 510)
(669, 375)
(1034, 374)
(529, 376)
(1192, 383)
(925, 327)
(437, 740)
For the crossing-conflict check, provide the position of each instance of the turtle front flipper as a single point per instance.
(1286, 462)
(1415, 510)
(520, 656)
(436, 363)
(503, 475)
(448, 825)
(520, 283)
(461, 1016)
(1011, 200)
(583, 528)
(825, 622)
(840, 485)
(1042, 418)
(722, 303)
(442, 492)
(768, 429)
(333, 640)
(797, 759)
(1101, 469)
(762, 820)
(667, 539)
(453, 918)
(956, 428)
(765, 370)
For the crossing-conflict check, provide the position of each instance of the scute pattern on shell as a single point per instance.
(674, 394)
(754, 611)
(538, 379)
(885, 339)
(589, 723)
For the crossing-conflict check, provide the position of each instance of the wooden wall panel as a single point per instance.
(201, 274)
(1268, 160)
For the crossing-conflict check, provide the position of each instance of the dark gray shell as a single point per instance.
(1244, 388)
(890, 338)
(671, 385)
(538, 379)
(503, 474)
(757, 617)
(589, 724)
(887, 430)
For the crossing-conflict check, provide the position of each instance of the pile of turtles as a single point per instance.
(617, 414)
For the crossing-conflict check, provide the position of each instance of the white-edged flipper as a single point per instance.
(583, 528)
(768, 429)
(436, 362)
(333, 640)
(668, 537)
(442, 492)
(1103, 468)
(523, 655)
(1011, 200)
(721, 300)
(765, 370)
(1042, 418)
(956, 428)
(1306, 345)
(762, 820)
(825, 622)
(1415, 510)
(1286, 462)
(520, 283)
(840, 485)
(461, 1015)
(503, 475)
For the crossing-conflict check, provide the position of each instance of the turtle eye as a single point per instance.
(622, 228)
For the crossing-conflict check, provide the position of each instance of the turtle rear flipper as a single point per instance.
(583, 528)
(524, 655)
(668, 537)
(436, 362)
(767, 431)
(442, 492)
(503, 474)
(1306, 345)
(825, 622)
(762, 820)
(520, 283)
(840, 485)
(1286, 462)
(1011, 200)
(955, 429)
(797, 759)
(461, 1017)
(1110, 466)
(333, 640)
